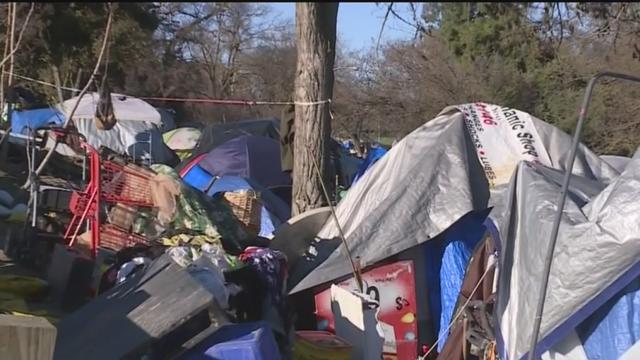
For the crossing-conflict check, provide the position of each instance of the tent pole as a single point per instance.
(563, 196)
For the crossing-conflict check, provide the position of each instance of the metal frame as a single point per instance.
(563, 196)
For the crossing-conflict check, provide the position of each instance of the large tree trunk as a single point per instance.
(316, 43)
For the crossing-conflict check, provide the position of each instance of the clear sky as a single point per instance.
(359, 23)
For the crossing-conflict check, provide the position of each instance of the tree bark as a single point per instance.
(316, 43)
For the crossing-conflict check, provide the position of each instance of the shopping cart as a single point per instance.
(110, 182)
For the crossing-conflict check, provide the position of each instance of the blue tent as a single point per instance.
(23, 121)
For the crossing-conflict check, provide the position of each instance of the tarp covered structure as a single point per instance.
(125, 108)
(456, 163)
(136, 132)
(479, 156)
(596, 256)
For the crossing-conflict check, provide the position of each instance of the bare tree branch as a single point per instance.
(386, 16)
(105, 41)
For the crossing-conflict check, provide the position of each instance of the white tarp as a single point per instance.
(136, 132)
(432, 178)
(126, 108)
(126, 137)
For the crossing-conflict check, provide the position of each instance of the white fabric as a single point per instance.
(125, 108)
(503, 137)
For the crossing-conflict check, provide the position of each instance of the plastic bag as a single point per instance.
(213, 281)
(127, 268)
(183, 255)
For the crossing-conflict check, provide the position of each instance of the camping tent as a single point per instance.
(218, 134)
(459, 162)
(252, 157)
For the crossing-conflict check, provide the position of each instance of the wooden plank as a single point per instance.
(26, 338)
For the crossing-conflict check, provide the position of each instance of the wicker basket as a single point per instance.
(247, 208)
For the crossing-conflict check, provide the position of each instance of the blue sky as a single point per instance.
(359, 23)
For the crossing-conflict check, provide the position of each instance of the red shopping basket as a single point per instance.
(125, 184)
(115, 238)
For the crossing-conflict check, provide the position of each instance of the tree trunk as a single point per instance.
(316, 43)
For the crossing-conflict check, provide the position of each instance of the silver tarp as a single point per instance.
(596, 253)
(433, 177)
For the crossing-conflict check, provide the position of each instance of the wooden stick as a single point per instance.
(84, 90)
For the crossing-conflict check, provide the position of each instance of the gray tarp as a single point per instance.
(596, 254)
(618, 162)
(427, 182)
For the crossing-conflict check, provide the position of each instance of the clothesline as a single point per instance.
(192, 100)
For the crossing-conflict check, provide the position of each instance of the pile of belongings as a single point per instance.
(206, 237)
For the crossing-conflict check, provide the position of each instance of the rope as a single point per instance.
(240, 102)
(460, 312)
(40, 82)
(193, 100)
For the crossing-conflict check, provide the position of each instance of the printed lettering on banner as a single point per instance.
(502, 137)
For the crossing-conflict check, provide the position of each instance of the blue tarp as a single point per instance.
(447, 258)
(375, 153)
(22, 121)
(615, 327)
(274, 210)
(198, 178)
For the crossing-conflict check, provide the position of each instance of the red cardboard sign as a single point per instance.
(393, 285)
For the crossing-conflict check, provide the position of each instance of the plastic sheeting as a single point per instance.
(431, 179)
(125, 108)
(596, 255)
(615, 327)
(23, 121)
(372, 157)
(447, 258)
(136, 138)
